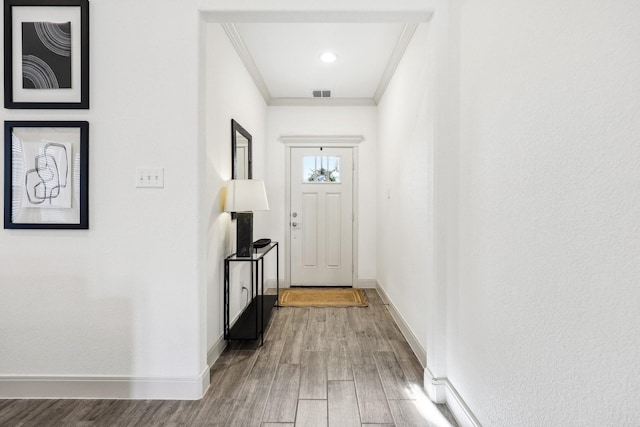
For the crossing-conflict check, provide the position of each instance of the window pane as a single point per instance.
(321, 169)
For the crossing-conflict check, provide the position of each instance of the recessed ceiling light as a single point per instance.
(328, 57)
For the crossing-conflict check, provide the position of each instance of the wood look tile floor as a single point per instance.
(320, 367)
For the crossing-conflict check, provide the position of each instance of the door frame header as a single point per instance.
(324, 140)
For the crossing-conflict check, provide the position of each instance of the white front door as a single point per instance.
(321, 222)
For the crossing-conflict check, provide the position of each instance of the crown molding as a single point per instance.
(395, 58)
(247, 59)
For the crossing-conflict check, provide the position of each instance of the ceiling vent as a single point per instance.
(322, 94)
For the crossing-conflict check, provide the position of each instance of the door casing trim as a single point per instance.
(309, 141)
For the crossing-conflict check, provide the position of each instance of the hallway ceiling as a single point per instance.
(284, 59)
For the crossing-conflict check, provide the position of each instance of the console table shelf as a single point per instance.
(245, 328)
(253, 320)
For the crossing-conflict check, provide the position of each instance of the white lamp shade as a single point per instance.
(246, 195)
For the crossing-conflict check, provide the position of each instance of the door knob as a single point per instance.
(295, 214)
(294, 224)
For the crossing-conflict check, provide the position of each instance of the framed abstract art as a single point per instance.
(46, 175)
(46, 54)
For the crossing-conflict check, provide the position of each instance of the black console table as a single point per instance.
(255, 317)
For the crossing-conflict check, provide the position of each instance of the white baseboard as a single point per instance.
(362, 283)
(216, 350)
(99, 387)
(440, 390)
(367, 283)
(415, 345)
(271, 283)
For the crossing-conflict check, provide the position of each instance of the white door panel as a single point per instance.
(321, 216)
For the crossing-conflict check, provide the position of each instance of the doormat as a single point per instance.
(323, 297)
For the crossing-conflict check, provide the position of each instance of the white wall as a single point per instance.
(405, 191)
(230, 94)
(325, 121)
(546, 331)
(120, 299)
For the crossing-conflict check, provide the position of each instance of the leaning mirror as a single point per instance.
(240, 152)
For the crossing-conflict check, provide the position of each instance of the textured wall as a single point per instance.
(546, 331)
(405, 190)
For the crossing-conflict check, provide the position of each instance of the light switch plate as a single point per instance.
(150, 177)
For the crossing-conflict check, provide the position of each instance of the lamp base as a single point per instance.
(244, 234)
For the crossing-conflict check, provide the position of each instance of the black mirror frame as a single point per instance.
(236, 128)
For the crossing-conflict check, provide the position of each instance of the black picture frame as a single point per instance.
(46, 175)
(73, 73)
